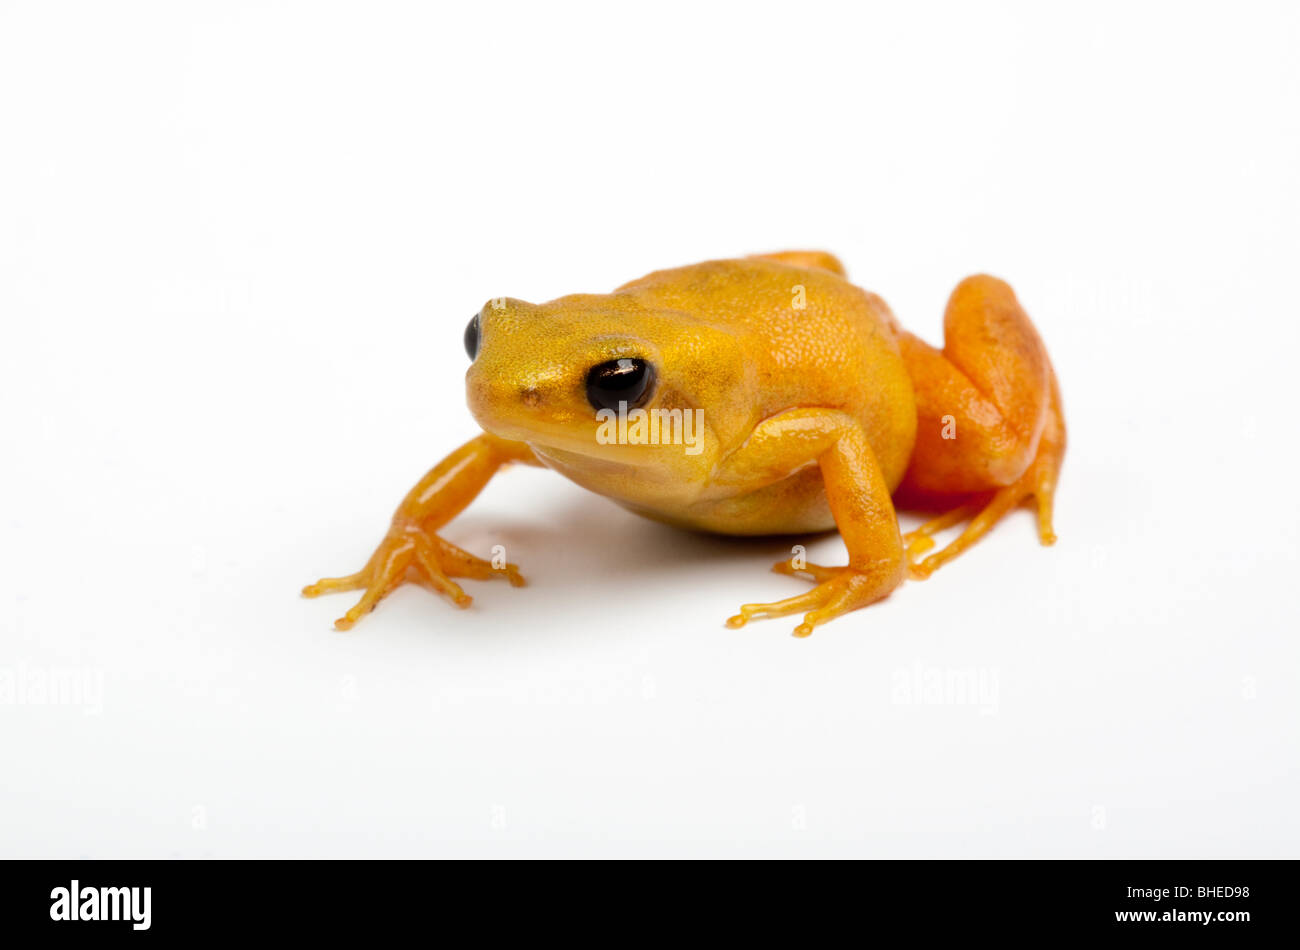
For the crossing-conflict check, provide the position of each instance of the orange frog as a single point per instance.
(759, 396)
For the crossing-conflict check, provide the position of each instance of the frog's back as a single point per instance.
(817, 340)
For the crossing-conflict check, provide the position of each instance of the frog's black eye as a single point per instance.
(626, 380)
(471, 337)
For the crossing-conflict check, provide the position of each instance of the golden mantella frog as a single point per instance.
(760, 396)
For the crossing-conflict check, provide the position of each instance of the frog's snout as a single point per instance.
(478, 395)
(507, 407)
(486, 394)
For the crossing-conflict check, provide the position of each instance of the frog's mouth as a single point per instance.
(585, 450)
(575, 442)
(568, 460)
(524, 421)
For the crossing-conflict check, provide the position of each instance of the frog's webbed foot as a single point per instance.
(1038, 484)
(917, 542)
(410, 553)
(838, 591)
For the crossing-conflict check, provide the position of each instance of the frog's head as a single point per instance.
(568, 377)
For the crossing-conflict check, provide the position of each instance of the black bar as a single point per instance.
(368, 899)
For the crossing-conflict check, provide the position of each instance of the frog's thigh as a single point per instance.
(859, 499)
(982, 401)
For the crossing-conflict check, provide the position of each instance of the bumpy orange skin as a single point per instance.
(816, 408)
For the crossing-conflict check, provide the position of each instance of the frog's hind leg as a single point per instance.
(990, 431)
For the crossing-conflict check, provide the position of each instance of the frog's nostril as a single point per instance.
(530, 396)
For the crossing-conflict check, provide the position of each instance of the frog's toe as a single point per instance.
(835, 605)
(380, 579)
(330, 585)
(1044, 495)
(432, 575)
(915, 547)
(780, 608)
(839, 590)
(914, 550)
(918, 542)
(458, 562)
(815, 571)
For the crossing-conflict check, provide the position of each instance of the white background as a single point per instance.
(238, 248)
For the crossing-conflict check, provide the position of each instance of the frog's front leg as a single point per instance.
(412, 549)
(859, 499)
